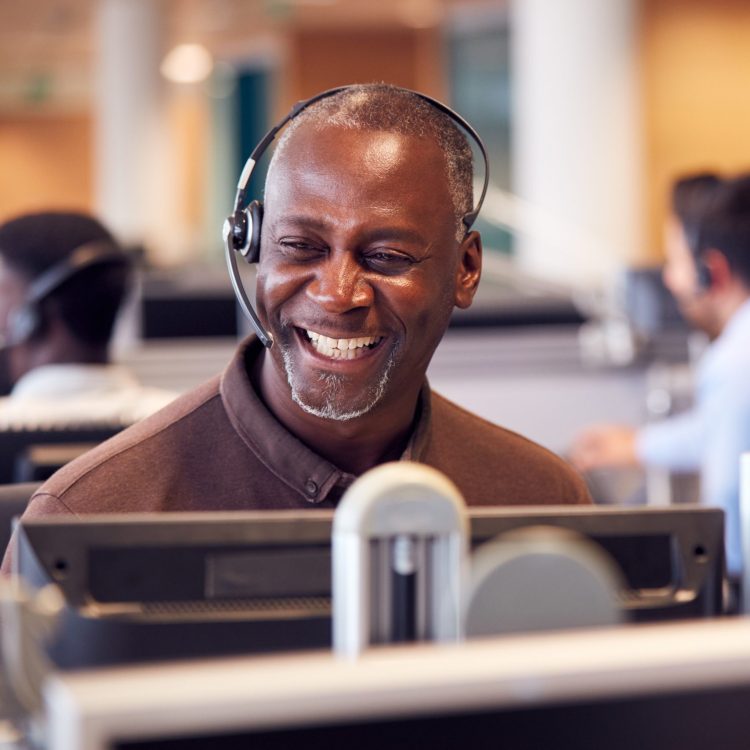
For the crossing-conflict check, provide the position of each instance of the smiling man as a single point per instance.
(364, 254)
(363, 257)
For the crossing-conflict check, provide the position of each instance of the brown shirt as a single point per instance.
(219, 448)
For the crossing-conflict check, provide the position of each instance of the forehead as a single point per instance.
(677, 249)
(359, 165)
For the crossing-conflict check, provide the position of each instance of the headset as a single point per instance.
(241, 231)
(702, 271)
(26, 321)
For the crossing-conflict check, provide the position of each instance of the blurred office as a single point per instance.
(143, 111)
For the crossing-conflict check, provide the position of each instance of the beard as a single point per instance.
(328, 399)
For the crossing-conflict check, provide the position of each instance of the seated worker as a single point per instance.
(63, 279)
(364, 253)
(708, 271)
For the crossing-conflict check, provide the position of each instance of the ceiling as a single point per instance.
(48, 45)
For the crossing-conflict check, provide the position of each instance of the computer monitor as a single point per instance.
(146, 587)
(671, 559)
(651, 687)
(16, 442)
(161, 586)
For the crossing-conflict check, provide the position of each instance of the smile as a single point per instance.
(342, 348)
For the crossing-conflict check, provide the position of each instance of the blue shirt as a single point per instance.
(712, 436)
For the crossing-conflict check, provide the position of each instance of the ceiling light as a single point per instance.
(187, 63)
(420, 14)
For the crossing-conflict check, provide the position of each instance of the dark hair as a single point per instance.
(725, 225)
(381, 106)
(88, 302)
(691, 197)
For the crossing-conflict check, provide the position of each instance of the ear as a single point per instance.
(718, 267)
(469, 269)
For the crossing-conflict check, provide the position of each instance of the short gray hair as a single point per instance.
(387, 108)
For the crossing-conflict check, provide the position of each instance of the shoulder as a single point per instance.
(125, 468)
(496, 466)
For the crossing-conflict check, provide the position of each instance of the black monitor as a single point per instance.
(195, 303)
(16, 463)
(146, 587)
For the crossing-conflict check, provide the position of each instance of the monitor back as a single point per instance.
(15, 444)
(172, 585)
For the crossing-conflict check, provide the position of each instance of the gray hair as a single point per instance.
(387, 108)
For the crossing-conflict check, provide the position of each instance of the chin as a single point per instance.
(695, 316)
(330, 411)
(330, 396)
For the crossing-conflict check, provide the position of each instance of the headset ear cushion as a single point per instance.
(23, 324)
(235, 231)
(254, 213)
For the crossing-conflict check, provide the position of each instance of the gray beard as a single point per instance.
(330, 385)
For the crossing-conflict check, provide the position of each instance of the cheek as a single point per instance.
(16, 363)
(8, 303)
(679, 279)
(428, 310)
(273, 286)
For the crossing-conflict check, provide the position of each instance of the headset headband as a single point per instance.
(90, 254)
(301, 106)
(241, 232)
(24, 321)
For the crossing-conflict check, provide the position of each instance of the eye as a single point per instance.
(300, 249)
(388, 261)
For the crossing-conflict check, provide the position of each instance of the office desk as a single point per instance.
(652, 686)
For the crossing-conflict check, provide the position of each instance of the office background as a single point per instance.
(655, 86)
(589, 111)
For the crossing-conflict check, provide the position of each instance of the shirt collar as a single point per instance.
(739, 323)
(731, 344)
(281, 452)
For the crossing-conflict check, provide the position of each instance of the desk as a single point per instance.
(651, 686)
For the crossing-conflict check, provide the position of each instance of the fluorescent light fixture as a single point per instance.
(187, 63)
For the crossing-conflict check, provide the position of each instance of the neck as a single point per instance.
(53, 351)
(354, 445)
(72, 354)
(730, 304)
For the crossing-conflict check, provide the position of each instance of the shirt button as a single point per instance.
(311, 488)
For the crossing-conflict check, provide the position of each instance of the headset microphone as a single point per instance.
(241, 231)
(243, 300)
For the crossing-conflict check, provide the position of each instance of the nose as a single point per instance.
(340, 285)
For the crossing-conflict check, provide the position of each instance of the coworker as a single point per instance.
(708, 271)
(363, 256)
(62, 281)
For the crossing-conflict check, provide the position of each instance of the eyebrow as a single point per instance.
(374, 235)
(300, 220)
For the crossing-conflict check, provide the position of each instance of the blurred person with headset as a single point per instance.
(63, 279)
(364, 247)
(707, 270)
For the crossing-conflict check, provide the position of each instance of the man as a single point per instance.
(63, 279)
(708, 271)
(363, 258)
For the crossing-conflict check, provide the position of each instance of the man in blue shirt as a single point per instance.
(708, 271)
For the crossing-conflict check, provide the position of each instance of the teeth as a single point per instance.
(341, 348)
